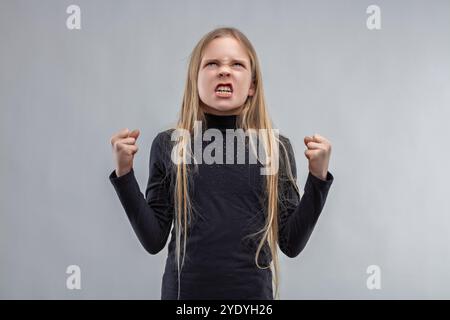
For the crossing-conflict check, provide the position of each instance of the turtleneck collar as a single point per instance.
(220, 122)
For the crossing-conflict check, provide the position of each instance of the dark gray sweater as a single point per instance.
(229, 202)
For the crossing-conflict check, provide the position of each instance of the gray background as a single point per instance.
(381, 97)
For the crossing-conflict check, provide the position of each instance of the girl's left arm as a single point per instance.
(298, 217)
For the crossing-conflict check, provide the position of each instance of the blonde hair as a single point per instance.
(254, 115)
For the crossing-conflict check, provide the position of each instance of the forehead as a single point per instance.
(225, 48)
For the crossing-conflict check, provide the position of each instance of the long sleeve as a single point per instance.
(151, 217)
(298, 217)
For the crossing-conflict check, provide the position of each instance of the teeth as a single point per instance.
(223, 89)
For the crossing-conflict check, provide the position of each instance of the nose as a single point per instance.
(223, 71)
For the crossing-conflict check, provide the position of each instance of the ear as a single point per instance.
(252, 89)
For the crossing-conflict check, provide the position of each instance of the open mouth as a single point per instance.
(224, 90)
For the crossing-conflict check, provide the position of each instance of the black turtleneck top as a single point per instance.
(229, 204)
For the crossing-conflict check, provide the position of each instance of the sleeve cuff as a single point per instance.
(126, 178)
(319, 183)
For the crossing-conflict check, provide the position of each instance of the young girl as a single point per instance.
(228, 218)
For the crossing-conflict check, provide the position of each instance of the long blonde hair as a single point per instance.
(254, 115)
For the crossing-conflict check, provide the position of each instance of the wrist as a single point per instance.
(120, 173)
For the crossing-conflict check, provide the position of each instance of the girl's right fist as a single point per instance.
(124, 147)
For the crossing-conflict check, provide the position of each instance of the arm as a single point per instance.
(298, 217)
(150, 217)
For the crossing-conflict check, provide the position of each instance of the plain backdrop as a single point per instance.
(380, 96)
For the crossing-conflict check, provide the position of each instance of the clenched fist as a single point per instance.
(124, 149)
(318, 155)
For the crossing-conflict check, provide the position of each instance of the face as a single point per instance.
(225, 62)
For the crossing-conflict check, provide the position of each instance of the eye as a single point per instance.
(239, 64)
(210, 63)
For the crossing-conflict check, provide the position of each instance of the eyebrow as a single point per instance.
(233, 60)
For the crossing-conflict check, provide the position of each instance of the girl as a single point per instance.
(228, 218)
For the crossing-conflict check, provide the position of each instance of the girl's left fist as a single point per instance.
(318, 155)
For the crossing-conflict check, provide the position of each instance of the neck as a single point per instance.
(232, 112)
(221, 122)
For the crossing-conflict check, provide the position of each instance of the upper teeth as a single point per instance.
(223, 88)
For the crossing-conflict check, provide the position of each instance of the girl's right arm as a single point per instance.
(150, 217)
